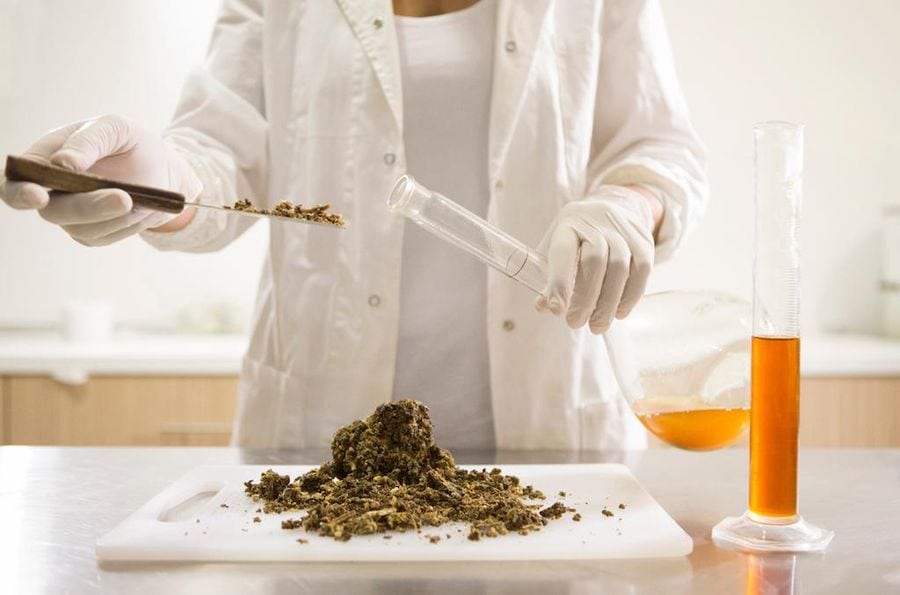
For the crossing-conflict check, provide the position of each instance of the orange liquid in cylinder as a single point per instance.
(774, 422)
(700, 429)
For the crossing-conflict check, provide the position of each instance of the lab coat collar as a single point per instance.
(372, 22)
(519, 29)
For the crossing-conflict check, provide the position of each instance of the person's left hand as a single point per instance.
(600, 252)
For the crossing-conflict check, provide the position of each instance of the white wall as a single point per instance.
(831, 65)
(826, 63)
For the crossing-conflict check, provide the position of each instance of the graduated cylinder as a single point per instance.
(775, 358)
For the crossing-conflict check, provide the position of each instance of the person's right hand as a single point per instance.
(114, 148)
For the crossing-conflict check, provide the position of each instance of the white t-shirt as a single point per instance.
(442, 360)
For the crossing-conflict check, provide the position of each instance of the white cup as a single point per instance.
(86, 321)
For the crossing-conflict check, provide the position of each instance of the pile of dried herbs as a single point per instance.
(285, 208)
(387, 474)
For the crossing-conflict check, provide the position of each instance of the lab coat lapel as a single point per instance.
(519, 27)
(372, 22)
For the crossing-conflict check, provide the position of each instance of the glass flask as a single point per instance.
(681, 358)
(683, 363)
(772, 522)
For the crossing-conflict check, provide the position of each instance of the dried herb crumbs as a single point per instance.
(388, 474)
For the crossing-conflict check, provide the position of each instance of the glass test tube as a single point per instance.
(466, 230)
(771, 522)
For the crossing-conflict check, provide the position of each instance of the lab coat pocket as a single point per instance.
(265, 417)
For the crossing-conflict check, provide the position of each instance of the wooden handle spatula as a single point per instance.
(52, 177)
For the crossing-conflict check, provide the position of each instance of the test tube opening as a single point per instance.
(403, 194)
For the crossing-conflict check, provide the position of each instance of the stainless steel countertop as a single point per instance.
(56, 502)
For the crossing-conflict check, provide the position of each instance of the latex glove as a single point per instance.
(111, 147)
(600, 253)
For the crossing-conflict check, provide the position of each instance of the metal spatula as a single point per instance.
(20, 169)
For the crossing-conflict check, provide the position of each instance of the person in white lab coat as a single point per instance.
(561, 122)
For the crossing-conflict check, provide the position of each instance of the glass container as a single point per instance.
(683, 363)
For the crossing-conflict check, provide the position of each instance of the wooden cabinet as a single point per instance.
(198, 411)
(118, 410)
(850, 412)
(3, 382)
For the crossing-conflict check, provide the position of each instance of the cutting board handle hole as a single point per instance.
(189, 503)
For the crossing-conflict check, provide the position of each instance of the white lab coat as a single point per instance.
(302, 100)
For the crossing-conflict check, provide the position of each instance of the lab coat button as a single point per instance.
(390, 158)
(508, 325)
(498, 185)
(377, 23)
(374, 300)
(511, 46)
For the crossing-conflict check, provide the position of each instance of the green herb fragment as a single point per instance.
(554, 511)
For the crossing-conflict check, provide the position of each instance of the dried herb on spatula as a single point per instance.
(285, 208)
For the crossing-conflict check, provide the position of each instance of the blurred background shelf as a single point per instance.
(181, 390)
(849, 355)
(46, 353)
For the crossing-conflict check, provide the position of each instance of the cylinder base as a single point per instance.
(745, 534)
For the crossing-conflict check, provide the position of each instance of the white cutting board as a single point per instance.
(187, 522)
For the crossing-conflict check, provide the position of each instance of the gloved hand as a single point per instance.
(111, 147)
(600, 253)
